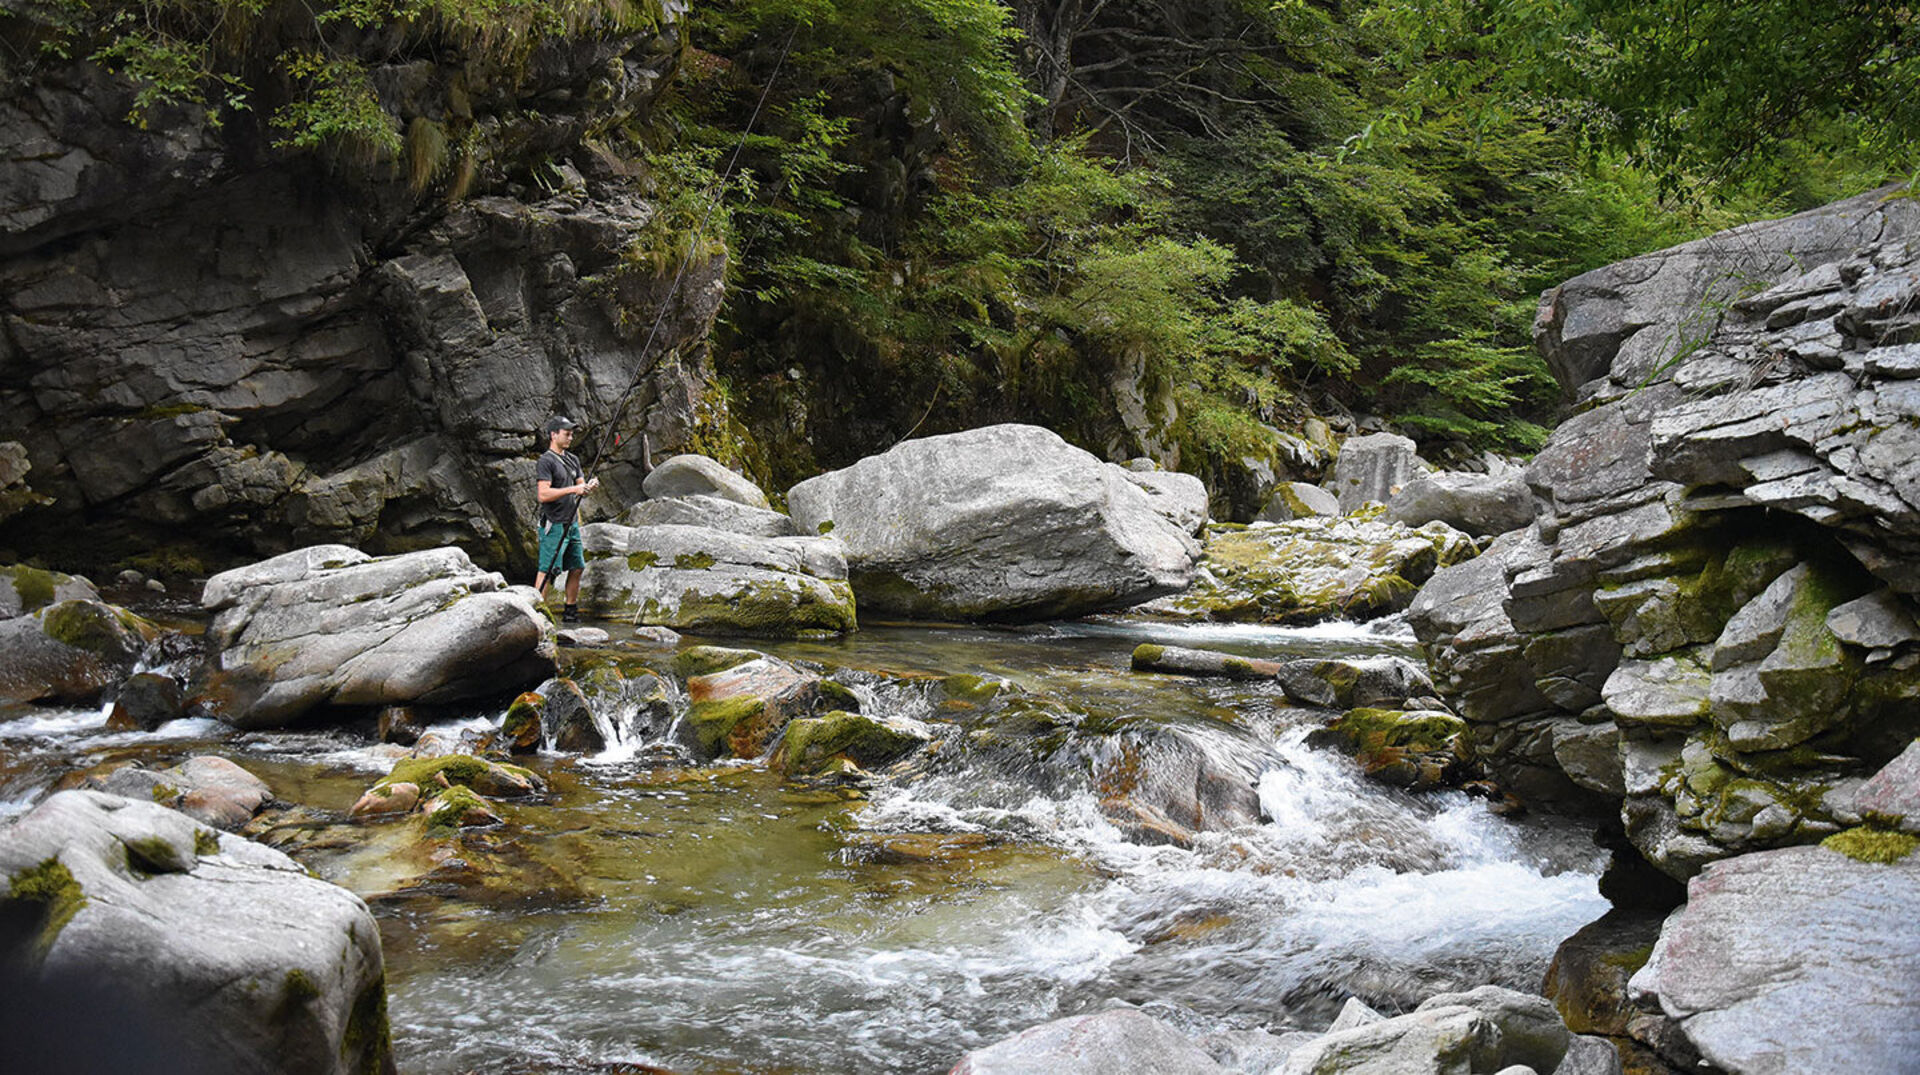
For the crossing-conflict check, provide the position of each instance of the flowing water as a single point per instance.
(720, 919)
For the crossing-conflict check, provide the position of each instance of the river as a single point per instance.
(652, 915)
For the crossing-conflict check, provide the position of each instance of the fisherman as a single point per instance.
(561, 482)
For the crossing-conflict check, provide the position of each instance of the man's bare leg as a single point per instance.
(573, 587)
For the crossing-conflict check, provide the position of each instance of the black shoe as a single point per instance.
(570, 614)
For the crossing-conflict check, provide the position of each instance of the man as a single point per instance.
(560, 484)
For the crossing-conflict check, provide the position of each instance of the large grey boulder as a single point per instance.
(1297, 500)
(1122, 1039)
(1006, 522)
(697, 475)
(1795, 960)
(701, 579)
(714, 512)
(177, 941)
(1482, 504)
(1180, 498)
(1374, 467)
(330, 626)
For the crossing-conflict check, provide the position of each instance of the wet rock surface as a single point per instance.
(697, 578)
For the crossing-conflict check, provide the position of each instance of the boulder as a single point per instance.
(1531, 1033)
(1334, 683)
(701, 579)
(1313, 569)
(69, 651)
(1453, 1040)
(712, 512)
(1796, 959)
(26, 589)
(208, 789)
(1121, 1039)
(567, 721)
(144, 701)
(1373, 468)
(696, 475)
(173, 940)
(1892, 795)
(1297, 500)
(1005, 522)
(740, 710)
(1419, 751)
(869, 742)
(1179, 498)
(331, 626)
(1480, 504)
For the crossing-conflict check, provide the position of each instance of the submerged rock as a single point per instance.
(1313, 569)
(1149, 657)
(217, 953)
(1006, 522)
(331, 626)
(1799, 959)
(811, 743)
(701, 579)
(741, 710)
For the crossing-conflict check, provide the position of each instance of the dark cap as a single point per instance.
(559, 422)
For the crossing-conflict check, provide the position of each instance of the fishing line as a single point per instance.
(719, 191)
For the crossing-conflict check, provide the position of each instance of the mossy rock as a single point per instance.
(459, 807)
(522, 724)
(973, 690)
(465, 770)
(50, 886)
(1875, 845)
(101, 629)
(839, 696)
(714, 723)
(34, 587)
(1418, 751)
(811, 742)
(706, 660)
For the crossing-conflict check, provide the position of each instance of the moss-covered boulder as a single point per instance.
(25, 589)
(706, 660)
(869, 742)
(1416, 750)
(212, 790)
(490, 778)
(741, 711)
(703, 579)
(1313, 569)
(521, 727)
(236, 957)
(69, 651)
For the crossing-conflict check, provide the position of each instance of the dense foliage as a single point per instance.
(1165, 227)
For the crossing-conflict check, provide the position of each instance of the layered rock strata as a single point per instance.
(1712, 623)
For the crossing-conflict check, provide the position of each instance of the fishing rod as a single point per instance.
(719, 191)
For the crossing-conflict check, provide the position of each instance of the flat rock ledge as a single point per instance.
(148, 934)
(700, 578)
(331, 626)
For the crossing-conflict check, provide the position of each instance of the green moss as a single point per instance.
(366, 1042)
(839, 696)
(826, 527)
(164, 793)
(1866, 844)
(812, 742)
(51, 885)
(1146, 655)
(713, 721)
(297, 990)
(768, 609)
(640, 561)
(523, 717)
(206, 842)
(461, 770)
(1237, 666)
(967, 687)
(706, 660)
(33, 586)
(148, 855)
(93, 627)
(1374, 730)
(170, 562)
(694, 561)
(451, 808)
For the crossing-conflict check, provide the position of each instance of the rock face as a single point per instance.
(1776, 951)
(209, 335)
(1313, 569)
(331, 626)
(1373, 468)
(1712, 622)
(1004, 523)
(696, 475)
(186, 943)
(714, 512)
(698, 578)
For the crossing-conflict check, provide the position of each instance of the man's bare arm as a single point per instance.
(547, 494)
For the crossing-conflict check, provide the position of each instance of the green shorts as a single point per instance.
(561, 548)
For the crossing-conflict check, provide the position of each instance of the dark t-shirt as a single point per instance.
(560, 470)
